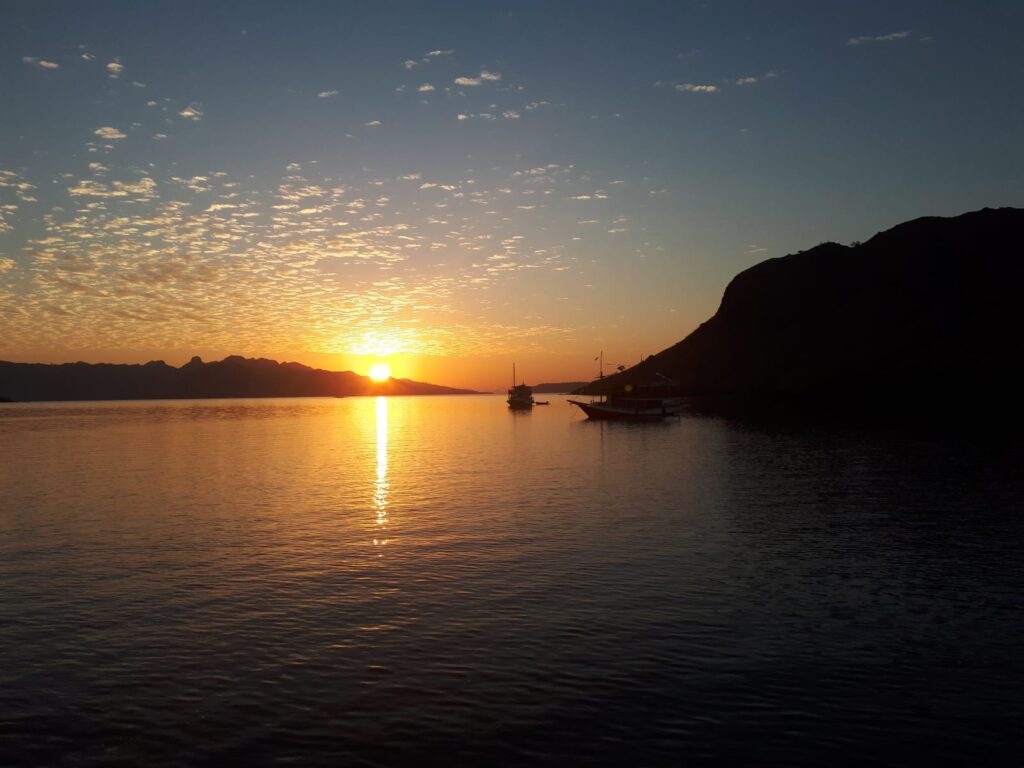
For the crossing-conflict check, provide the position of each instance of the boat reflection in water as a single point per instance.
(380, 485)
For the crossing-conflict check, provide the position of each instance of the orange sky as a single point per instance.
(468, 189)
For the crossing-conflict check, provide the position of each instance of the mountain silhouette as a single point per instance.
(555, 387)
(922, 321)
(233, 376)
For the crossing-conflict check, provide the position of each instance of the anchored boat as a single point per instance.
(640, 402)
(643, 402)
(520, 396)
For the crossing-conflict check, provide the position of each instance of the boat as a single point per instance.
(640, 403)
(645, 402)
(520, 396)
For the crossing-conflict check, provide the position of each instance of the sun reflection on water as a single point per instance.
(380, 485)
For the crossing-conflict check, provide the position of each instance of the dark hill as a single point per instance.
(555, 387)
(921, 320)
(231, 377)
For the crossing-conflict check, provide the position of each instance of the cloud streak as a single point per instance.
(691, 88)
(890, 38)
(41, 63)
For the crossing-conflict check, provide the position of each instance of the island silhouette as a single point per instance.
(922, 322)
(233, 376)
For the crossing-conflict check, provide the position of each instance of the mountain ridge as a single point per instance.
(921, 320)
(234, 376)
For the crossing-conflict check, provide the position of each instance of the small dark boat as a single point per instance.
(520, 396)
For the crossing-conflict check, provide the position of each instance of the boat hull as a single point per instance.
(604, 412)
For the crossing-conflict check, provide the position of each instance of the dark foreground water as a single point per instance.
(417, 581)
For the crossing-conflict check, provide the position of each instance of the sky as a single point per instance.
(454, 187)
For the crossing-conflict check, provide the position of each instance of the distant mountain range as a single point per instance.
(558, 387)
(231, 377)
(921, 320)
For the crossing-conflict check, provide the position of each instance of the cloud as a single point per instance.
(426, 88)
(160, 136)
(115, 68)
(41, 63)
(106, 132)
(192, 112)
(372, 124)
(482, 77)
(409, 64)
(891, 37)
(461, 116)
(144, 187)
(326, 94)
(87, 57)
(691, 88)
(751, 80)
(435, 54)
(6, 264)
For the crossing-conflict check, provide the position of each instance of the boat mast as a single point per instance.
(513, 374)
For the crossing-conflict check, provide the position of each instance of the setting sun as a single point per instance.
(380, 372)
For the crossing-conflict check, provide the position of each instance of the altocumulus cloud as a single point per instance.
(484, 76)
(691, 88)
(106, 132)
(890, 38)
(41, 63)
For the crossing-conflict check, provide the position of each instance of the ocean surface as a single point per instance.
(415, 581)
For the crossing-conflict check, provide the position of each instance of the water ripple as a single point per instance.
(424, 580)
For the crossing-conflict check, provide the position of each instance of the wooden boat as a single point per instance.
(642, 402)
(520, 396)
(630, 408)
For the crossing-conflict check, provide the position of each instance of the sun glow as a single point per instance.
(380, 372)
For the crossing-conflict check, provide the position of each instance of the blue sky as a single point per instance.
(455, 185)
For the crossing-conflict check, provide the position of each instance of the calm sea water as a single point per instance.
(425, 580)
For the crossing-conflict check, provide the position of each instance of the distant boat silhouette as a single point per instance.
(643, 402)
(520, 396)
